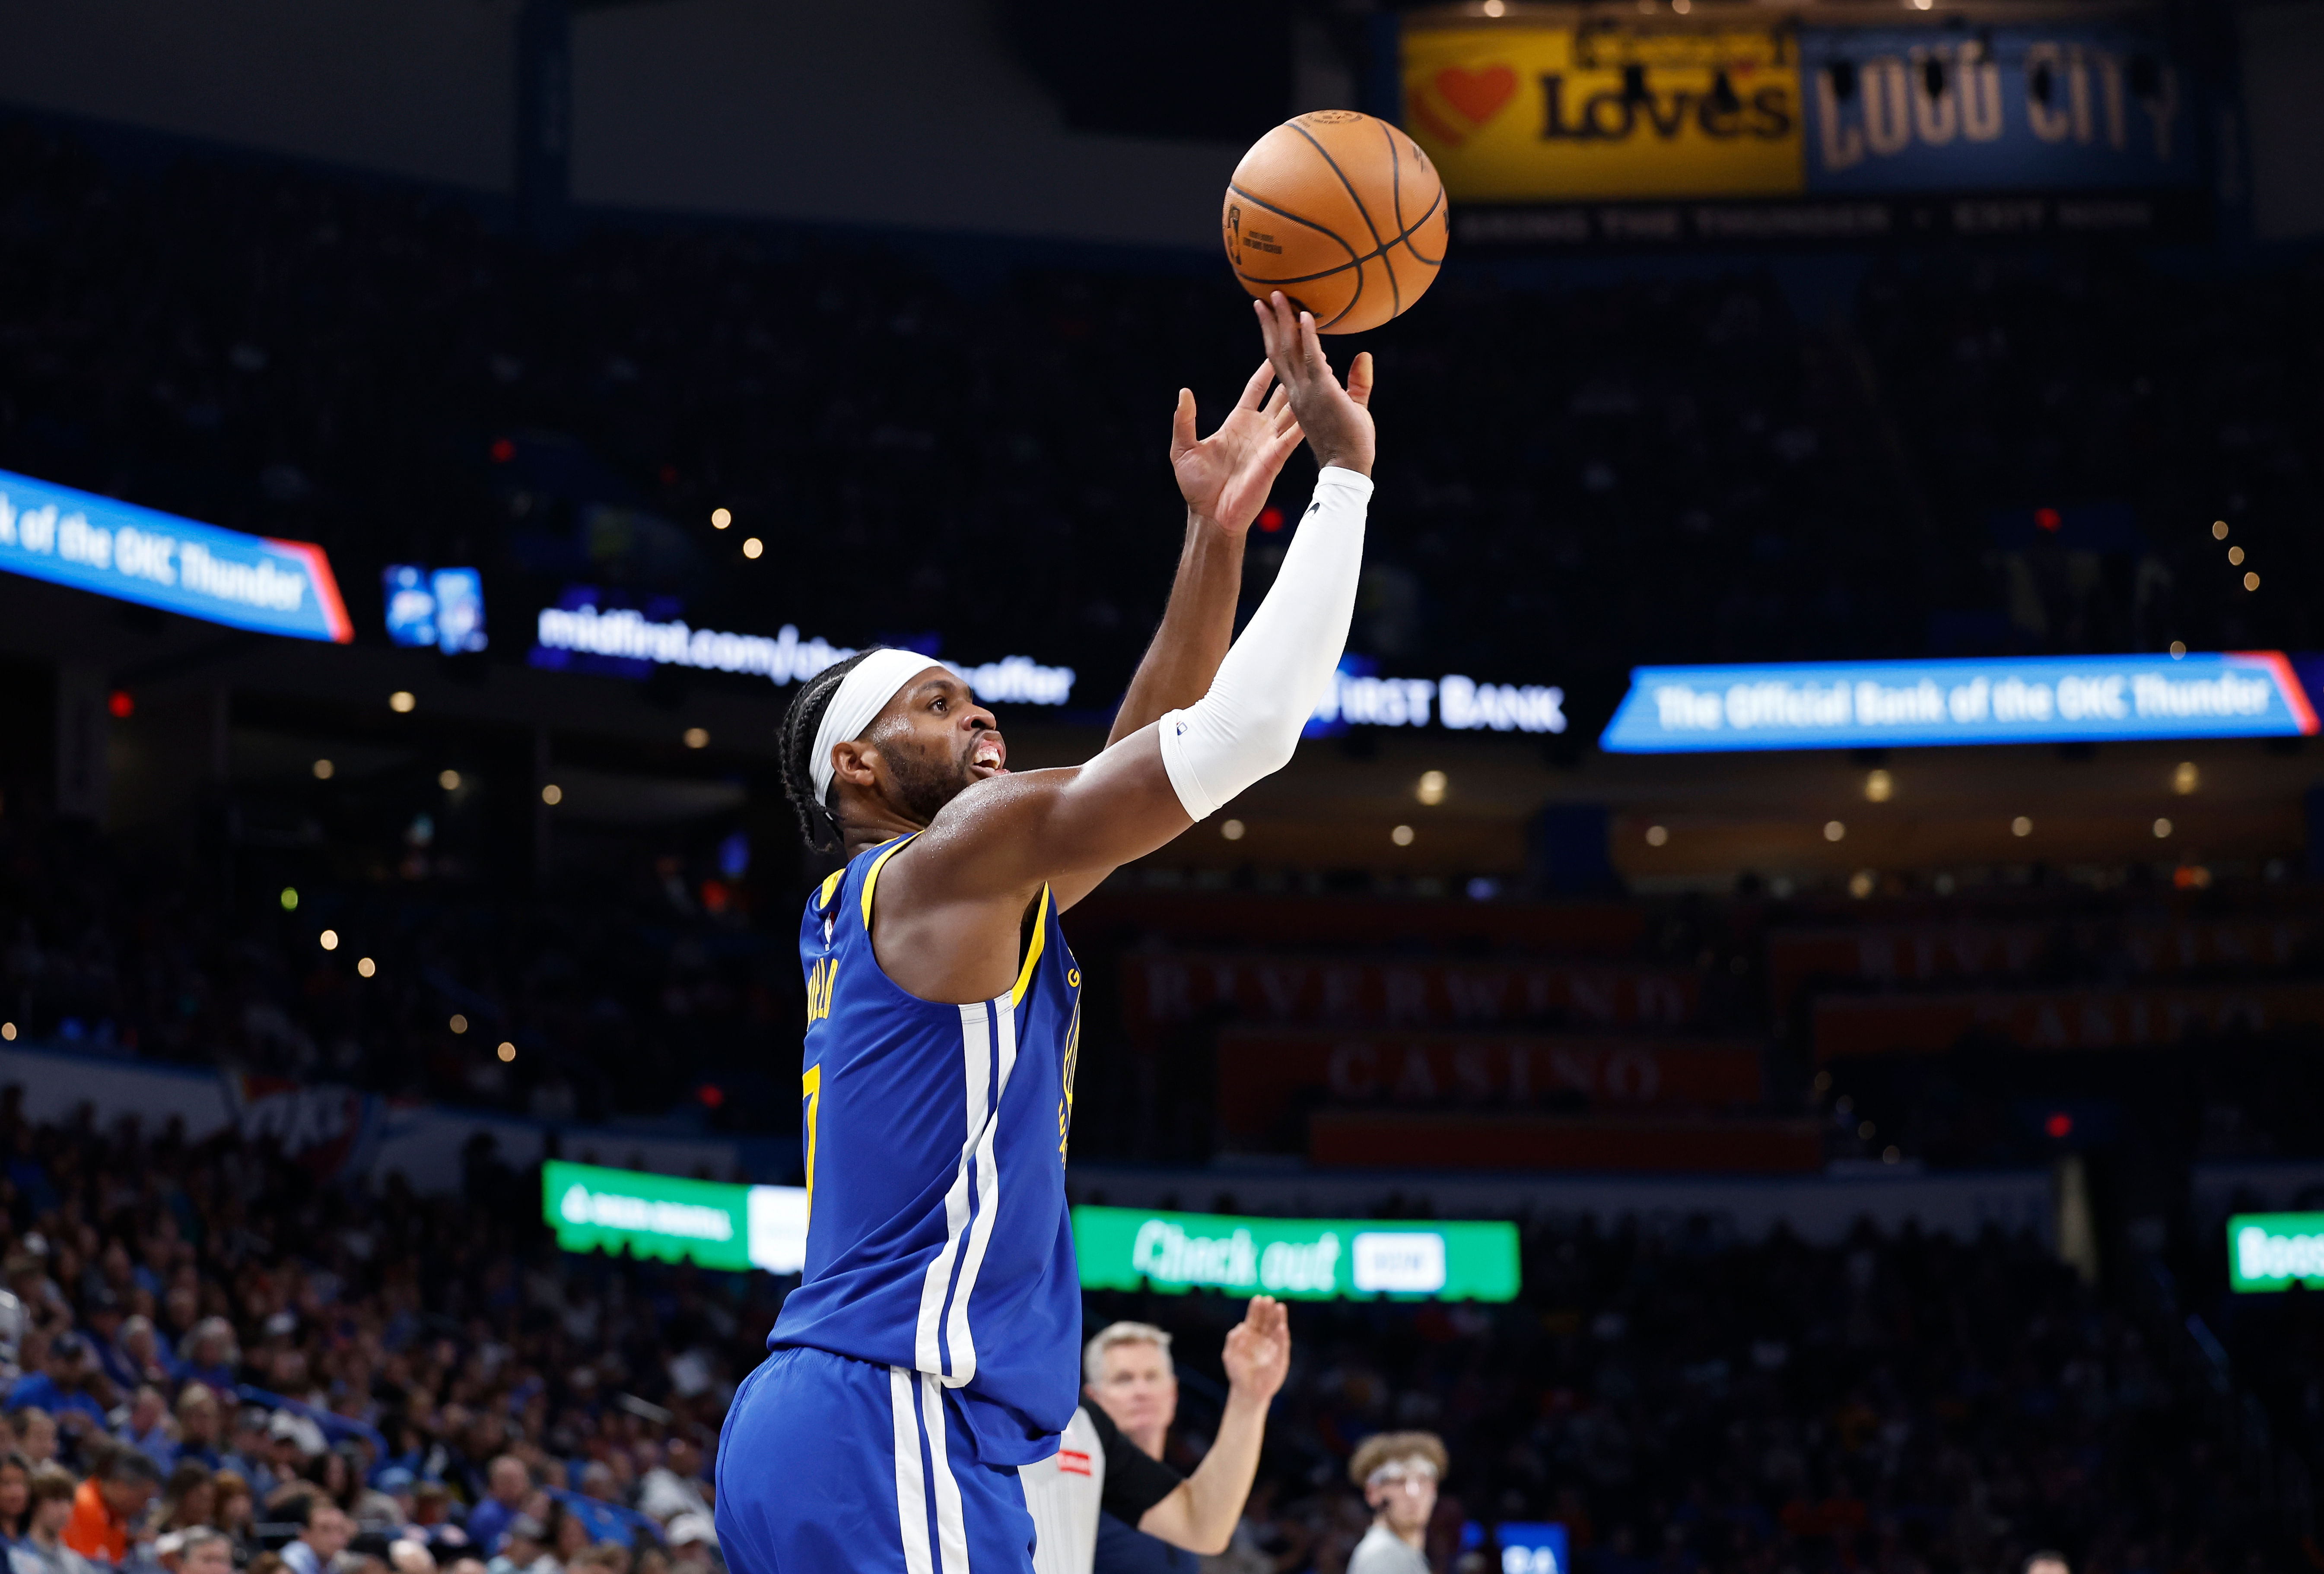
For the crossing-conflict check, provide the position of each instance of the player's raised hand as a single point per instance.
(1259, 1348)
(1225, 476)
(1337, 420)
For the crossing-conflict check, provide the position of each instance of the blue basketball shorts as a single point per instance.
(828, 1464)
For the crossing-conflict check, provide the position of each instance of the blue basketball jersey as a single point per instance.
(937, 1239)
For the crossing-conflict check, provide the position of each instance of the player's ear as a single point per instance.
(851, 762)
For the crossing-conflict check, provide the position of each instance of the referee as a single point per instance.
(1109, 1465)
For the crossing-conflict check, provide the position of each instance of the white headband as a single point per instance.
(863, 694)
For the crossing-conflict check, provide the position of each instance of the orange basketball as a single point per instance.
(1341, 213)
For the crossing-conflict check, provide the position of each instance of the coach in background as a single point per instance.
(1398, 1472)
(1108, 1476)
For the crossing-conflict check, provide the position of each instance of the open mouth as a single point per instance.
(989, 758)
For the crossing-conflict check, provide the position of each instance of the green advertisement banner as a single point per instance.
(1298, 1259)
(2275, 1251)
(714, 1223)
(736, 1227)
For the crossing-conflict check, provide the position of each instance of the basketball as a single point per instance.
(1340, 212)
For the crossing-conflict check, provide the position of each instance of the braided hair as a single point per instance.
(818, 821)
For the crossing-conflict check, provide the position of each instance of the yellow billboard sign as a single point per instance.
(1513, 113)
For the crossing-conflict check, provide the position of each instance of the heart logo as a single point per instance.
(1477, 96)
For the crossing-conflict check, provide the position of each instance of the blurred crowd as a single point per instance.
(620, 995)
(1759, 459)
(216, 1361)
(211, 1356)
(1680, 1401)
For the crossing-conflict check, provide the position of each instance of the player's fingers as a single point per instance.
(1254, 391)
(1310, 344)
(1182, 422)
(1278, 402)
(1359, 379)
(1267, 334)
(1280, 447)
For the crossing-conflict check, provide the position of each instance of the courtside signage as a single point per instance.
(1299, 1259)
(2275, 1251)
(77, 539)
(714, 1224)
(2041, 699)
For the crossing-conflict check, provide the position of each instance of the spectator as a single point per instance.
(250, 1457)
(431, 1514)
(568, 1532)
(233, 1512)
(594, 1508)
(693, 1544)
(287, 1460)
(43, 1550)
(324, 1532)
(199, 1418)
(397, 1494)
(204, 1551)
(1398, 1472)
(109, 1504)
(101, 1313)
(61, 1385)
(524, 1549)
(209, 1353)
(145, 1426)
(189, 1498)
(139, 1354)
(509, 1484)
(34, 1434)
(15, 1497)
(675, 1485)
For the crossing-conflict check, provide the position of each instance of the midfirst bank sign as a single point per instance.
(629, 636)
(2057, 699)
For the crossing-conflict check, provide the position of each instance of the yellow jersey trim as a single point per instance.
(830, 889)
(1032, 951)
(871, 877)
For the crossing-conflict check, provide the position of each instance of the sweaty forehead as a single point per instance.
(917, 693)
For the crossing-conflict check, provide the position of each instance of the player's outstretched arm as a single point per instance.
(1225, 479)
(1200, 1513)
(967, 879)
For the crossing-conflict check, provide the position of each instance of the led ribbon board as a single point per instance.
(2040, 699)
(2275, 1251)
(77, 539)
(1298, 1259)
(732, 1228)
(626, 635)
(715, 1224)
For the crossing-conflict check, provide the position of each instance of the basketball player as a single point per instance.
(929, 1351)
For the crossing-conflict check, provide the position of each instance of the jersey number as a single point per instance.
(811, 1090)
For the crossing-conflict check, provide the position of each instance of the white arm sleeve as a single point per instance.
(1274, 674)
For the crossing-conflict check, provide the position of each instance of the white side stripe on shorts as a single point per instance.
(911, 1494)
(952, 1525)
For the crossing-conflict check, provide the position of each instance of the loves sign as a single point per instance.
(1531, 114)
